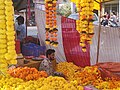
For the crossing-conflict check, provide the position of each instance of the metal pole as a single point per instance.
(26, 17)
(98, 47)
(119, 11)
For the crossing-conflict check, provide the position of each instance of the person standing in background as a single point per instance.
(107, 15)
(104, 21)
(21, 30)
(15, 16)
(113, 17)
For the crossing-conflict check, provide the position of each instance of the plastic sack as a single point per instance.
(31, 49)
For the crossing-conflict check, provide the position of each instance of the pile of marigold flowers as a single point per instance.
(89, 75)
(68, 69)
(27, 73)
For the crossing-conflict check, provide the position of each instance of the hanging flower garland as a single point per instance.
(51, 23)
(7, 38)
(85, 23)
(11, 55)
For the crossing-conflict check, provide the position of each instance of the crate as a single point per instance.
(31, 49)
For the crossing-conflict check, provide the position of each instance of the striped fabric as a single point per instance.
(109, 45)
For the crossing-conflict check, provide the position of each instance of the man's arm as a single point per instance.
(44, 66)
(12, 66)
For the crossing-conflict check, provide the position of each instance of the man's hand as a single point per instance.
(12, 67)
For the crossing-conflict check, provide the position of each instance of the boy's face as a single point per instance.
(19, 23)
(51, 56)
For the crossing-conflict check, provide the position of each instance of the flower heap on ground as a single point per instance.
(50, 83)
(85, 23)
(7, 35)
(110, 84)
(27, 73)
(51, 23)
(68, 69)
(89, 75)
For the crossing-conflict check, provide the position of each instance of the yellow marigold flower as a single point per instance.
(2, 45)
(2, 51)
(10, 38)
(13, 62)
(3, 41)
(11, 47)
(9, 2)
(2, 6)
(9, 23)
(2, 36)
(2, 17)
(2, 12)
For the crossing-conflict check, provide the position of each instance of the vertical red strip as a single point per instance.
(72, 49)
(29, 12)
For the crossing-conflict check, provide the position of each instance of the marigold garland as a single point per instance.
(7, 38)
(51, 23)
(85, 23)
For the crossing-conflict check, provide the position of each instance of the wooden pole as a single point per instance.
(98, 46)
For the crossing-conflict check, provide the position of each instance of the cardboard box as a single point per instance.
(29, 63)
(33, 64)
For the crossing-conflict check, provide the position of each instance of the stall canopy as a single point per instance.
(21, 4)
(97, 3)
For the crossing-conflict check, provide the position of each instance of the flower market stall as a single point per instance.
(29, 78)
(71, 51)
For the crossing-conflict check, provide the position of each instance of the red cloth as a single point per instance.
(17, 46)
(71, 39)
(111, 66)
(110, 69)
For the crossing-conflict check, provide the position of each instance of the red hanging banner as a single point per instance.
(71, 38)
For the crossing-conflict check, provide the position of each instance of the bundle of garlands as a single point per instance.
(85, 24)
(51, 23)
(7, 35)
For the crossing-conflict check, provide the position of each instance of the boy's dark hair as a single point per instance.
(49, 51)
(20, 19)
(114, 12)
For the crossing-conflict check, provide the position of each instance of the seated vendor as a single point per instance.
(46, 64)
(49, 64)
